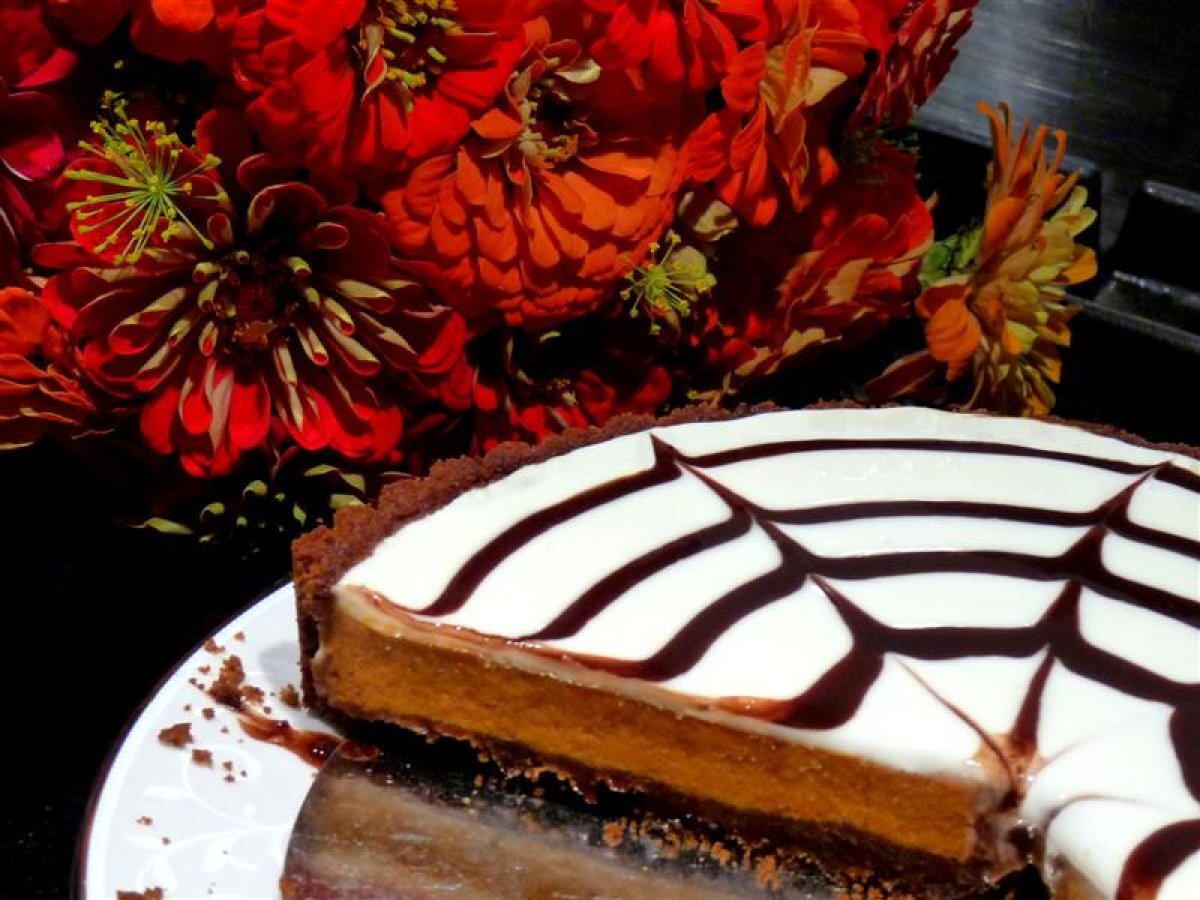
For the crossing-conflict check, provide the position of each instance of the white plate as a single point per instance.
(226, 841)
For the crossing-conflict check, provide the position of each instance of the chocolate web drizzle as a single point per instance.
(835, 697)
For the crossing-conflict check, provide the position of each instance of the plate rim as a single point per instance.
(83, 836)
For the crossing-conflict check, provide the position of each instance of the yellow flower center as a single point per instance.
(403, 45)
(144, 182)
(554, 131)
(251, 299)
(665, 287)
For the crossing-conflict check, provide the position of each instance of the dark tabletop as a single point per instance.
(97, 615)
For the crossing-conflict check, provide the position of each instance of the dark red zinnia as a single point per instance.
(175, 30)
(277, 312)
(31, 150)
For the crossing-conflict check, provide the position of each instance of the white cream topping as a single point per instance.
(1106, 776)
(665, 601)
(784, 665)
(1145, 638)
(1152, 566)
(937, 599)
(900, 533)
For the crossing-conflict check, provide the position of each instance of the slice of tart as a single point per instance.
(934, 646)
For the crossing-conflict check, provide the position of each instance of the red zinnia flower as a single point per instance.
(30, 148)
(670, 45)
(30, 57)
(174, 30)
(30, 151)
(289, 318)
(555, 194)
(914, 63)
(766, 147)
(835, 275)
(38, 393)
(132, 186)
(880, 20)
(366, 84)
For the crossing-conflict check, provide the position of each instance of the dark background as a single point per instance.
(1121, 75)
(95, 616)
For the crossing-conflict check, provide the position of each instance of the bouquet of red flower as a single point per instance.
(277, 251)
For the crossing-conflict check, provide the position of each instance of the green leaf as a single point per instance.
(355, 481)
(256, 488)
(165, 526)
(956, 255)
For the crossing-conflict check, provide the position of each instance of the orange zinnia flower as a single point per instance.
(765, 148)
(37, 392)
(556, 194)
(1002, 316)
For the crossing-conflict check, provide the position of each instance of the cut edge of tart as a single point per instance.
(760, 766)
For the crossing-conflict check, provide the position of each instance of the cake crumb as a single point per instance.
(227, 765)
(766, 873)
(177, 735)
(290, 696)
(145, 820)
(202, 757)
(204, 670)
(226, 689)
(240, 636)
(213, 647)
(614, 833)
(208, 712)
(165, 840)
(154, 893)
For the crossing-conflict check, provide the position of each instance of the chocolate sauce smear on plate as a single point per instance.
(314, 747)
